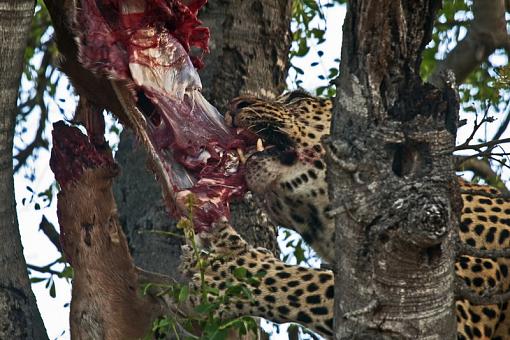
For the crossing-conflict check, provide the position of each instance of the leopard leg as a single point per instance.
(277, 291)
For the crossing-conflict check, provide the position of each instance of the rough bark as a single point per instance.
(392, 180)
(250, 43)
(237, 65)
(19, 317)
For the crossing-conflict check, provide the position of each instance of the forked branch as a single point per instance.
(486, 33)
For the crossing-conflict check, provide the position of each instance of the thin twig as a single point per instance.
(503, 164)
(494, 254)
(49, 230)
(477, 147)
(45, 269)
(502, 128)
(38, 141)
(478, 125)
(484, 194)
(462, 291)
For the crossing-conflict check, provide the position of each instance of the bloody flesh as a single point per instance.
(146, 44)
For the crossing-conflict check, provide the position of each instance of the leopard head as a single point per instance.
(289, 175)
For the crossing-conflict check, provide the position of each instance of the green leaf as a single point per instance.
(53, 291)
(299, 252)
(246, 292)
(212, 290)
(312, 4)
(303, 48)
(205, 308)
(216, 333)
(183, 294)
(240, 273)
(320, 90)
(333, 72)
(67, 273)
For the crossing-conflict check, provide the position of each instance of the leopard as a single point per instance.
(289, 179)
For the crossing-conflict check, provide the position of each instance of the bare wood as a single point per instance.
(250, 43)
(464, 249)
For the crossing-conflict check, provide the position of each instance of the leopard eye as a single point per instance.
(242, 104)
(288, 157)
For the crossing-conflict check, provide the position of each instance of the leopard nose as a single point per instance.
(235, 107)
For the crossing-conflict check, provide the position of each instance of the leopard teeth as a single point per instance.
(260, 146)
(242, 158)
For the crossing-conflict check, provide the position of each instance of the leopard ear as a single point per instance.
(296, 94)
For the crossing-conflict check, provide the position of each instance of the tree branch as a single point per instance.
(369, 73)
(482, 169)
(464, 249)
(464, 292)
(478, 124)
(38, 99)
(486, 33)
(477, 147)
(45, 269)
(504, 124)
(49, 230)
(19, 316)
(37, 142)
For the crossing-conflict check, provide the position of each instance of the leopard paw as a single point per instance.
(221, 245)
(223, 240)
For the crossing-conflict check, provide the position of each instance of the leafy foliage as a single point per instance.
(65, 273)
(484, 93)
(308, 28)
(452, 23)
(211, 300)
(39, 85)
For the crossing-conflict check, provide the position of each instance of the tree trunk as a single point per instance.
(236, 65)
(392, 180)
(250, 42)
(19, 316)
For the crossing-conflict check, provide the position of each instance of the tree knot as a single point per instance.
(428, 221)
